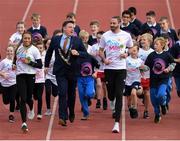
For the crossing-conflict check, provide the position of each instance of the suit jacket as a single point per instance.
(61, 68)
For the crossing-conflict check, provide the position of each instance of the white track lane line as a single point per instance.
(123, 136)
(48, 136)
(75, 6)
(170, 14)
(27, 10)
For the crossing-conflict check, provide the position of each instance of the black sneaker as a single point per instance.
(133, 112)
(104, 103)
(157, 119)
(146, 114)
(163, 109)
(11, 119)
(98, 104)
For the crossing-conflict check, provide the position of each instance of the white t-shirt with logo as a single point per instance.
(16, 37)
(115, 44)
(6, 67)
(50, 74)
(94, 51)
(133, 72)
(143, 54)
(26, 52)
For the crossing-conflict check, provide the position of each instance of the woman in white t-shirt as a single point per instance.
(27, 59)
(8, 82)
(15, 38)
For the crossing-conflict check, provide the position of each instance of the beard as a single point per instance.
(114, 28)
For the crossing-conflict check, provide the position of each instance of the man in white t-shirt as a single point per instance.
(114, 43)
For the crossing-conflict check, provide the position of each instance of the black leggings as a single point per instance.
(25, 85)
(115, 82)
(50, 88)
(37, 94)
(8, 95)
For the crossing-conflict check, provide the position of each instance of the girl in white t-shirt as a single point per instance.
(146, 41)
(27, 59)
(14, 41)
(15, 38)
(8, 82)
(39, 81)
(50, 81)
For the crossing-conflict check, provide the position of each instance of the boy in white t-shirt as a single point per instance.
(146, 41)
(100, 83)
(133, 79)
(15, 38)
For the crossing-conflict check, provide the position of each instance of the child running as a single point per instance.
(100, 82)
(39, 82)
(8, 82)
(85, 82)
(133, 79)
(159, 63)
(146, 41)
(50, 81)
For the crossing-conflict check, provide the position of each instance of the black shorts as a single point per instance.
(128, 89)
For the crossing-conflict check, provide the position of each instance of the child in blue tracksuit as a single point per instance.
(85, 81)
(160, 64)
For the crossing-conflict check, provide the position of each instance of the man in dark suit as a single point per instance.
(67, 49)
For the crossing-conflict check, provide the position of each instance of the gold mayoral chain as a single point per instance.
(66, 60)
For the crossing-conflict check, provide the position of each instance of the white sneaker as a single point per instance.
(116, 128)
(31, 114)
(48, 112)
(39, 116)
